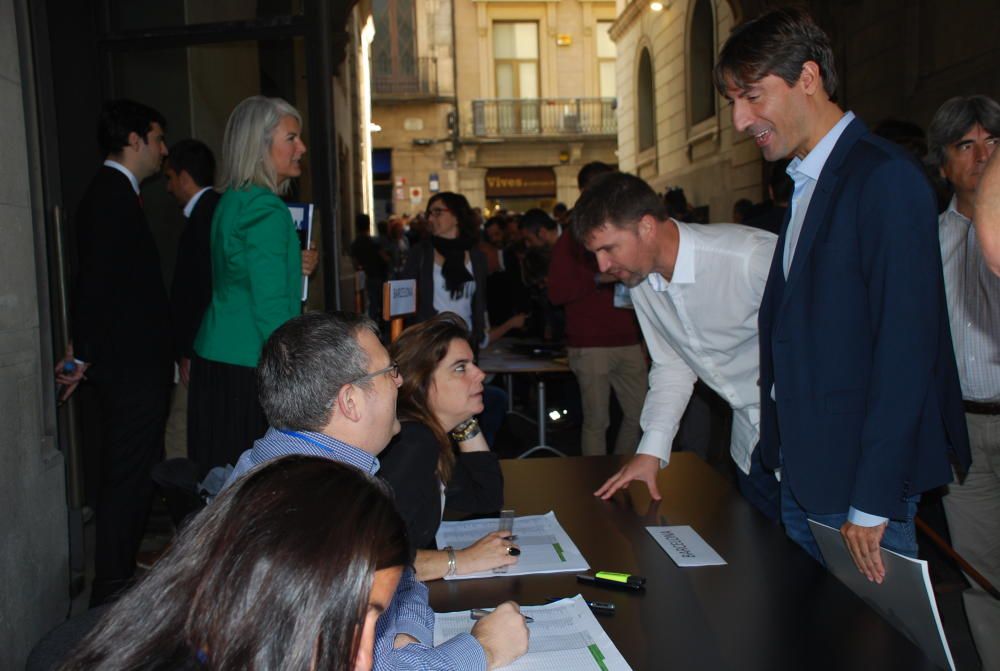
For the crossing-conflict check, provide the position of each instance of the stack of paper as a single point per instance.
(565, 636)
(545, 545)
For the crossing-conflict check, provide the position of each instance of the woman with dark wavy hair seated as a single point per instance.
(440, 458)
(289, 568)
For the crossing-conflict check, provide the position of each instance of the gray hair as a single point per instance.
(247, 143)
(954, 119)
(304, 364)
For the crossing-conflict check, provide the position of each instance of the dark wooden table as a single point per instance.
(772, 606)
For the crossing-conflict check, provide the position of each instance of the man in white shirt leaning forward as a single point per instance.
(696, 291)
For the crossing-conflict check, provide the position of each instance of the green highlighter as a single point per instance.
(614, 579)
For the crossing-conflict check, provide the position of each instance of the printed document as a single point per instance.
(565, 636)
(545, 545)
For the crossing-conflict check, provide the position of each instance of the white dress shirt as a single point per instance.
(805, 173)
(973, 295)
(133, 180)
(189, 208)
(703, 323)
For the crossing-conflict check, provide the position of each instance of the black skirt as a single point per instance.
(224, 414)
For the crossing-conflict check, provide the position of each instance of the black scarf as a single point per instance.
(453, 269)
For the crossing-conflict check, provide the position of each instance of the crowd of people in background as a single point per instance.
(849, 320)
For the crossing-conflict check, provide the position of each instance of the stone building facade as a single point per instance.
(517, 97)
(896, 59)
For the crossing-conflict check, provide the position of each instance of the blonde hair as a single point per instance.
(246, 144)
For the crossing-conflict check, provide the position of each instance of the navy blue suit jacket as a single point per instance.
(869, 407)
(191, 291)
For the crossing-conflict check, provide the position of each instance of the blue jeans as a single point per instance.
(900, 535)
(760, 488)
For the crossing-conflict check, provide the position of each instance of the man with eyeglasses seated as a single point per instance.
(328, 389)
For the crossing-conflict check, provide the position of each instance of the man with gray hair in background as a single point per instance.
(328, 389)
(962, 136)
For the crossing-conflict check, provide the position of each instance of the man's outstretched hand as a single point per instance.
(640, 467)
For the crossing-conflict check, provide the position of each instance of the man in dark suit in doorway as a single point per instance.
(121, 334)
(860, 401)
(190, 173)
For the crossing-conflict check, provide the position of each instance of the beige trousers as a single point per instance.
(598, 370)
(972, 507)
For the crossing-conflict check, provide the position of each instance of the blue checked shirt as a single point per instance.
(409, 613)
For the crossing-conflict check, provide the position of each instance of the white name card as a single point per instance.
(400, 298)
(685, 546)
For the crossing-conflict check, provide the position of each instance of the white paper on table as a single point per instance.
(685, 546)
(905, 598)
(545, 545)
(565, 636)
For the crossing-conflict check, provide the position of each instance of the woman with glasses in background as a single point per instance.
(440, 458)
(451, 271)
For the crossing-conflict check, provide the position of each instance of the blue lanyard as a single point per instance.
(296, 434)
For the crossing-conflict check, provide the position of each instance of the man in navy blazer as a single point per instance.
(861, 407)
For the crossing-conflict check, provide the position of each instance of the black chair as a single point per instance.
(178, 482)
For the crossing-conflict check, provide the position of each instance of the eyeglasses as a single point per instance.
(434, 211)
(392, 369)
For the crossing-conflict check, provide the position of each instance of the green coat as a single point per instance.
(256, 276)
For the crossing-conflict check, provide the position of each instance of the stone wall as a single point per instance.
(34, 570)
(406, 127)
(712, 166)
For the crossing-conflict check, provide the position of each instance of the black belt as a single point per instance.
(981, 408)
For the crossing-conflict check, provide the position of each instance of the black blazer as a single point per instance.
(420, 267)
(191, 291)
(856, 342)
(120, 313)
(409, 463)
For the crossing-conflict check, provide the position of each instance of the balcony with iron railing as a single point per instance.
(544, 117)
(416, 78)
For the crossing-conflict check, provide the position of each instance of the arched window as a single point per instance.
(646, 100)
(701, 54)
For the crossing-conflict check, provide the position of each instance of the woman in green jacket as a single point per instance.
(256, 278)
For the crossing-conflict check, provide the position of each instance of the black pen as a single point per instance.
(480, 613)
